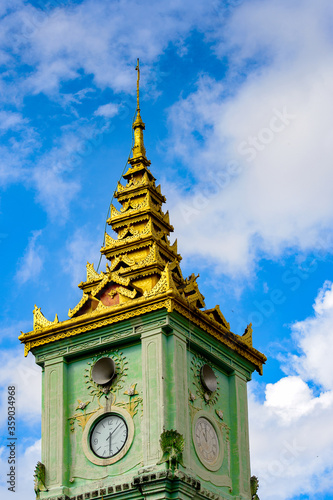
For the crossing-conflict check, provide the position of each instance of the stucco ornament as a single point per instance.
(254, 482)
(116, 384)
(209, 398)
(219, 413)
(192, 397)
(172, 444)
(39, 478)
(81, 405)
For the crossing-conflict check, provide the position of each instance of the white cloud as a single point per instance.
(56, 174)
(43, 48)
(261, 151)
(291, 431)
(22, 372)
(102, 38)
(46, 47)
(10, 120)
(31, 264)
(315, 337)
(17, 147)
(81, 247)
(108, 110)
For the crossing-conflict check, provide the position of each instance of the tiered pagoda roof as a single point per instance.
(143, 271)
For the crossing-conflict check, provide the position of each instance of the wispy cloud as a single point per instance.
(31, 264)
(81, 247)
(260, 154)
(108, 110)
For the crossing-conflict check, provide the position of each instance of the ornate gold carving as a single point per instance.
(160, 287)
(122, 258)
(116, 278)
(164, 284)
(83, 300)
(40, 322)
(216, 315)
(127, 293)
(27, 348)
(173, 247)
(132, 204)
(114, 212)
(231, 340)
(128, 209)
(191, 291)
(166, 218)
(135, 235)
(92, 275)
(112, 293)
(109, 241)
(95, 324)
(101, 308)
(247, 335)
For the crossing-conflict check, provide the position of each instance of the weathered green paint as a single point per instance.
(159, 348)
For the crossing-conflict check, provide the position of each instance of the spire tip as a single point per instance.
(138, 86)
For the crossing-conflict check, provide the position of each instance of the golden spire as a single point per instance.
(138, 125)
(138, 87)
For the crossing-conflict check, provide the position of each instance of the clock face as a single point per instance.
(108, 436)
(206, 441)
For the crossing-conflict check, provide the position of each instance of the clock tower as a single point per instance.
(144, 389)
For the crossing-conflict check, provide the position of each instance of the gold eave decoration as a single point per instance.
(136, 307)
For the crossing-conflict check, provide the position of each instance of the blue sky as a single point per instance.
(236, 97)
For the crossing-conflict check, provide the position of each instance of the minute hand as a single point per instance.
(115, 429)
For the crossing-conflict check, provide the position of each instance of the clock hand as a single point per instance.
(115, 428)
(110, 443)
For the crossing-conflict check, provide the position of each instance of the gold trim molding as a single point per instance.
(167, 300)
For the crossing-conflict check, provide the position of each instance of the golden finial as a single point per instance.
(138, 125)
(137, 86)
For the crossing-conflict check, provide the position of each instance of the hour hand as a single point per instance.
(109, 438)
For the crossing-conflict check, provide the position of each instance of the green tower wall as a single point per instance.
(158, 358)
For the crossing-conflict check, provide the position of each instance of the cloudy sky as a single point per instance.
(237, 100)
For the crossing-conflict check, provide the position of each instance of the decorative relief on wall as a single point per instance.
(219, 413)
(192, 397)
(115, 385)
(111, 391)
(172, 444)
(39, 479)
(209, 398)
(254, 482)
(134, 400)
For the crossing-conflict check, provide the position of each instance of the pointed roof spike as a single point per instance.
(137, 85)
(139, 150)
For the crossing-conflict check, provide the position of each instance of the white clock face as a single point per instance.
(108, 436)
(206, 441)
